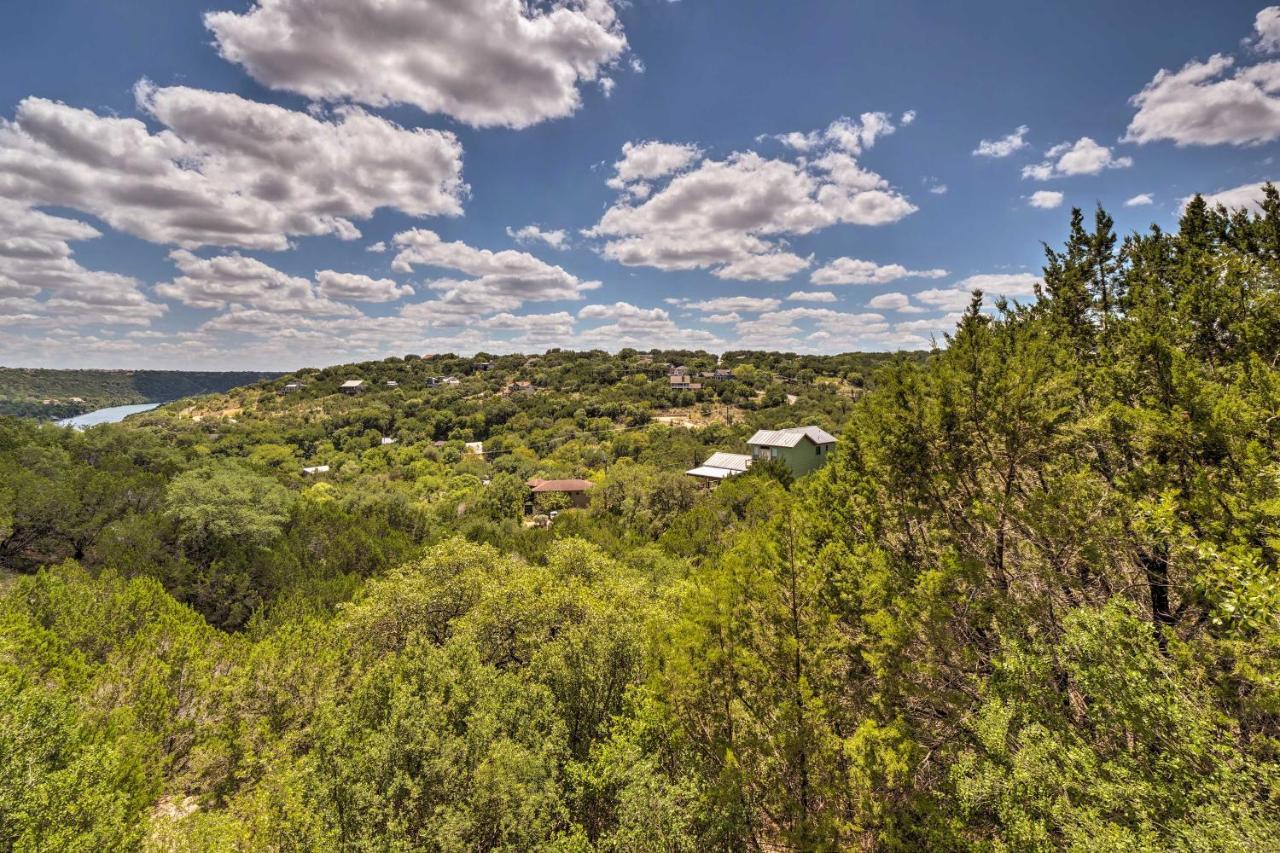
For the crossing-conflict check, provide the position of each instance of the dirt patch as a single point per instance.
(200, 412)
(693, 417)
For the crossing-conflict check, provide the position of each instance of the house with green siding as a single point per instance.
(802, 449)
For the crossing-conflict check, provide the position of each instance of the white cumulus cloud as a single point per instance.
(1004, 146)
(643, 328)
(42, 284)
(226, 171)
(1266, 28)
(1214, 102)
(857, 271)
(483, 62)
(733, 216)
(993, 285)
(496, 281)
(646, 161)
(891, 302)
(352, 287)
(738, 304)
(1045, 199)
(1246, 196)
(555, 238)
(811, 296)
(1082, 157)
(225, 280)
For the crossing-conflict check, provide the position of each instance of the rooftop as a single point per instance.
(732, 461)
(721, 466)
(540, 486)
(712, 473)
(791, 437)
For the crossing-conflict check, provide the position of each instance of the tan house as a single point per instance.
(682, 382)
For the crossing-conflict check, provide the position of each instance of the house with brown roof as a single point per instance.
(576, 490)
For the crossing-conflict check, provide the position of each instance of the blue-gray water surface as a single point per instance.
(111, 415)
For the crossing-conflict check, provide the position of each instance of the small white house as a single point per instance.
(352, 386)
(316, 469)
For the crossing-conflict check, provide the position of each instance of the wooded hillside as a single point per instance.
(1031, 602)
(56, 394)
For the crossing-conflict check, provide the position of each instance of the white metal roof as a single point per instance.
(353, 383)
(712, 473)
(791, 437)
(732, 461)
(721, 466)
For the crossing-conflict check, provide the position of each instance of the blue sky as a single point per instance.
(201, 184)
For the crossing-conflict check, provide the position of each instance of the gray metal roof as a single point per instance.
(731, 461)
(791, 437)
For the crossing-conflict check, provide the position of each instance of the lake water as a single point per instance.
(111, 415)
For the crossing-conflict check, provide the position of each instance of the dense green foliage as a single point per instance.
(1030, 604)
(56, 394)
